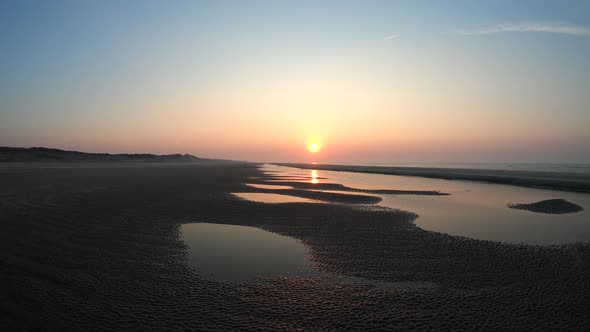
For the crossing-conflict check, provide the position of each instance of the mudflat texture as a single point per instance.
(550, 206)
(579, 182)
(98, 247)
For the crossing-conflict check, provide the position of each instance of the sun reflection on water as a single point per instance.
(314, 176)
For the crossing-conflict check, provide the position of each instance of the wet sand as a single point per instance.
(579, 182)
(336, 186)
(550, 206)
(98, 247)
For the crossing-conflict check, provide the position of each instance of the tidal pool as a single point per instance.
(273, 198)
(239, 253)
(268, 186)
(476, 210)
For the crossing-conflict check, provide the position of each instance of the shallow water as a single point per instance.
(268, 186)
(272, 198)
(238, 253)
(474, 209)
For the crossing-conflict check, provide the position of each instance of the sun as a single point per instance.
(314, 145)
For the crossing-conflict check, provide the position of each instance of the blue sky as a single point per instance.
(377, 80)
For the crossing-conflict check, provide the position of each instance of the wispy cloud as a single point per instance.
(532, 27)
(391, 37)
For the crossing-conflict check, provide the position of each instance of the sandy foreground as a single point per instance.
(97, 246)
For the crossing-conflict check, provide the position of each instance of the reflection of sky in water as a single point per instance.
(273, 198)
(238, 253)
(268, 186)
(476, 210)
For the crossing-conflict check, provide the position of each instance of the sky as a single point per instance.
(369, 81)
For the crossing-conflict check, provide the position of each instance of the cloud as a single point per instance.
(391, 37)
(532, 27)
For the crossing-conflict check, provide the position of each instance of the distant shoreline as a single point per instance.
(564, 181)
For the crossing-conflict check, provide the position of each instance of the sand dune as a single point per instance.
(39, 154)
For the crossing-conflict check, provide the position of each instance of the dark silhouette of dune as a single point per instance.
(551, 206)
(48, 154)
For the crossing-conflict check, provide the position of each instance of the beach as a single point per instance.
(98, 246)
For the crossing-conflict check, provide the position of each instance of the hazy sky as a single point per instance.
(376, 81)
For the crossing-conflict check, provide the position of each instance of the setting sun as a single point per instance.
(313, 145)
